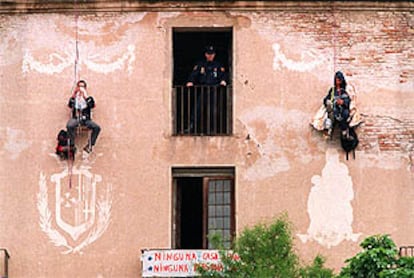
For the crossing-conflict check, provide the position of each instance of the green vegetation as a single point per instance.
(266, 251)
(316, 269)
(379, 258)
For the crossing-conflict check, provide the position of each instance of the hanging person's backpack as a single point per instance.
(349, 142)
(64, 149)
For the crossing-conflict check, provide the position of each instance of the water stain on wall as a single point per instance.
(15, 142)
(265, 124)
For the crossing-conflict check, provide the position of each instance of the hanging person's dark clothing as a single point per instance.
(336, 112)
(82, 117)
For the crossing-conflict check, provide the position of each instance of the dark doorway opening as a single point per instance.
(188, 48)
(190, 198)
(203, 205)
(202, 109)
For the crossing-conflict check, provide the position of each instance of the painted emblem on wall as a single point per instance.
(58, 62)
(82, 208)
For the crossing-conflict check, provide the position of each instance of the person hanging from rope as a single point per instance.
(81, 105)
(337, 103)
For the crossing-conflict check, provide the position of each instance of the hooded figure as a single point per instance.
(337, 103)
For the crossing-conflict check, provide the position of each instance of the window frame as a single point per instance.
(206, 204)
(221, 123)
(207, 174)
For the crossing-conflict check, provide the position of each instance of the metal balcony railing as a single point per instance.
(4, 263)
(202, 110)
(406, 251)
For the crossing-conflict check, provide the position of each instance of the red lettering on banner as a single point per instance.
(216, 267)
(185, 261)
(210, 256)
(191, 256)
(171, 268)
(175, 256)
(209, 266)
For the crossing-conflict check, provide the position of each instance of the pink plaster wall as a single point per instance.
(283, 65)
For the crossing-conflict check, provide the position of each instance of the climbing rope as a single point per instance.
(76, 73)
(334, 36)
(71, 153)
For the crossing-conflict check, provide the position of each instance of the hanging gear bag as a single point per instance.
(64, 149)
(349, 142)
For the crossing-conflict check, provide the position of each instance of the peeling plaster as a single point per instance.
(15, 142)
(384, 160)
(309, 60)
(104, 46)
(410, 166)
(272, 151)
(329, 204)
(391, 71)
(267, 167)
(127, 59)
(165, 16)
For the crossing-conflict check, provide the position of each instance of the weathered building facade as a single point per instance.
(149, 183)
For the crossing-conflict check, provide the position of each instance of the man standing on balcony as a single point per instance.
(208, 72)
(211, 74)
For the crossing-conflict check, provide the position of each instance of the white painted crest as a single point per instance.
(79, 213)
(80, 200)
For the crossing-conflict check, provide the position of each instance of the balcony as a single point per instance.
(406, 251)
(202, 110)
(4, 263)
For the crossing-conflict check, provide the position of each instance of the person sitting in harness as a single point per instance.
(337, 103)
(81, 105)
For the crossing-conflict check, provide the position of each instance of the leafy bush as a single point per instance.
(316, 270)
(265, 251)
(404, 268)
(378, 259)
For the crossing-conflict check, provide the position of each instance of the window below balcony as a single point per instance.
(203, 205)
